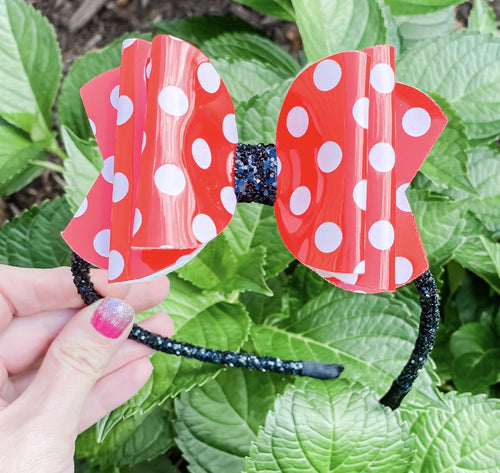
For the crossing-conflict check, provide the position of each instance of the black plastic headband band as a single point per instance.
(81, 277)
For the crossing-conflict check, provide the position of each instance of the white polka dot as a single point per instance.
(360, 268)
(113, 96)
(327, 74)
(82, 209)
(173, 101)
(120, 186)
(108, 170)
(278, 166)
(170, 179)
(137, 221)
(382, 78)
(401, 199)
(359, 194)
(381, 235)
(101, 243)
(297, 121)
(201, 153)
(416, 122)
(115, 265)
(125, 109)
(208, 77)
(92, 126)
(360, 111)
(404, 270)
(347, 278)
(328, 237)
(329, 156)
(229, 128)
(382, 157)
(143, 141)
(300, 200)
(128, 42)
(204, 228)
(323, 273)
(148, 69)
(228, 199)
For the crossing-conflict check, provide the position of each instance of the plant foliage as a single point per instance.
(245, 292)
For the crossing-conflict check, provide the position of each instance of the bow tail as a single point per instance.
(419, 122)
(100, 98)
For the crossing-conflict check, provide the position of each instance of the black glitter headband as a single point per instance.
(255, 181)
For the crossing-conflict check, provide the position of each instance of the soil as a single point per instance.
(82, 29)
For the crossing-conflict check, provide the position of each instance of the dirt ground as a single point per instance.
(89, 24)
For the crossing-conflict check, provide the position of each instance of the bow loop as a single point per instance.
(167, 185)
(350, 139)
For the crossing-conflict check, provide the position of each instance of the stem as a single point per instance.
(54, 148)
(48, 165)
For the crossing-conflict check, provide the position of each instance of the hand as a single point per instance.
(63, 366)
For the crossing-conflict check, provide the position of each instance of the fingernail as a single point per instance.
(112, 317)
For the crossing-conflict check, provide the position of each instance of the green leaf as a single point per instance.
(331, 427)
(70, 108)
(484, 175)
(218, 421)
(159, 465)
(257, 117)
(482, 18)
(479, 254)
(136, 439)
(248, 252)
(476, 355)
(279, 8)
(217, 268)
(16, 153)
(427, 26)
(331, 26)
(30, 68)
(371, 335)
(440, 221)
(446, 164)
(252, 226)
(463, 437)
(248, 62)
(464, 68)
(417, 7)
(82, 166)
(196, 30)
(33, 240)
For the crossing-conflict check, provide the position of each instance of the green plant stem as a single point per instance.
(55, 148)
(48, 165)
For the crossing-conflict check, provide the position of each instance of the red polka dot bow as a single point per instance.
(349, 140)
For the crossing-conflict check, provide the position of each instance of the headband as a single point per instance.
(349, 140)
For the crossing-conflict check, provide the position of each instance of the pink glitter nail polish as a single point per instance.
(112, 317)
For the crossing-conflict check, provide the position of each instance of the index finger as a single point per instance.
(27, 291)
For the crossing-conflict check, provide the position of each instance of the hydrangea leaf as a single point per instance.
(218, 421)
(30, 68)
(333, 426)
(331, 26)
(463, 437)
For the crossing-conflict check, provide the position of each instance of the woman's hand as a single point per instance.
(64, 366)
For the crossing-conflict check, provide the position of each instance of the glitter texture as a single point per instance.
(112, 317)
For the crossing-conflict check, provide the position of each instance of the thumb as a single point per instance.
(76, 360)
